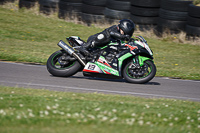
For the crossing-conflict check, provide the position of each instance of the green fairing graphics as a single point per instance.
(142, 59)
(120, 62)
(107, 69)
(121, 59)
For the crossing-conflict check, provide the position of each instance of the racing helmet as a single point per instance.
(127, 26)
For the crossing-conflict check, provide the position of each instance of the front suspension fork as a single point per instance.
(136, 63)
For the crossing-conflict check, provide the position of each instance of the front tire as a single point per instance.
(139, 75)
(60, 68)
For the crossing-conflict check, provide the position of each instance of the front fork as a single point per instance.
(136, 63)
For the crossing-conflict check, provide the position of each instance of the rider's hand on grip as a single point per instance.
(126, 37)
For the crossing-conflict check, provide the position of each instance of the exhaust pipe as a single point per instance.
(70, 51)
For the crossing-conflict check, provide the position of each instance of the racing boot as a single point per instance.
(84, 49)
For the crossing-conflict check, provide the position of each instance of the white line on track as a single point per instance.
(98, 90)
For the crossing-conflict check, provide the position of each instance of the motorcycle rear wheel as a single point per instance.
(60, 68)
(139, 75)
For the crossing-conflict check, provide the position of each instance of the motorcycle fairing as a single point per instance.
(75, 39)
(92, 68)
(103, 66)
(100, 66)
(103, 61)
(106, 69)
(144, 45)
(121, 59)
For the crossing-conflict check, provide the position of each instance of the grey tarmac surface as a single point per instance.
(37, 76)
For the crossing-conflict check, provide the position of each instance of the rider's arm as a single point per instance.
(119, 36)
(116, 35)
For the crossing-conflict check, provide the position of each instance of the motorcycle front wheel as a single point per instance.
(140, 75)
(60, 68)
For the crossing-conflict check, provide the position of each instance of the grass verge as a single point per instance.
(41, 111)
(32, 37)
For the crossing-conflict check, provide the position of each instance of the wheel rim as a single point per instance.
(138, 73)
(59, 64)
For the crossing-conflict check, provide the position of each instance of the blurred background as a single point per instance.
(171, 16)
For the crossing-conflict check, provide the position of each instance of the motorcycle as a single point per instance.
(131, 60)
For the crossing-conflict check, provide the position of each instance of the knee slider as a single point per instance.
(100, 36)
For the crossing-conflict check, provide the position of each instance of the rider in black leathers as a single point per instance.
(123, 31)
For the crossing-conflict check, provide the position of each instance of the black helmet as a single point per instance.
(127, 26)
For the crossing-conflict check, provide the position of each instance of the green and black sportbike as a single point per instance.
(132, 60)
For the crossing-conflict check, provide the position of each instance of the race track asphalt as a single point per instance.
(37, 76)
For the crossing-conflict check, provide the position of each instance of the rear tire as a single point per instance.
(148, 71)
(65, 69)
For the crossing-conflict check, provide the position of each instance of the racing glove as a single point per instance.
(119, 36)
(126, 37)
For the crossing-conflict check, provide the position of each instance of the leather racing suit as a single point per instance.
(103, 38)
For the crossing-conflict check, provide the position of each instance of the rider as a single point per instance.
(123, 31)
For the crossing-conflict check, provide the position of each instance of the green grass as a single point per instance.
(196, 2)
(32, 37)
(42, 111)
